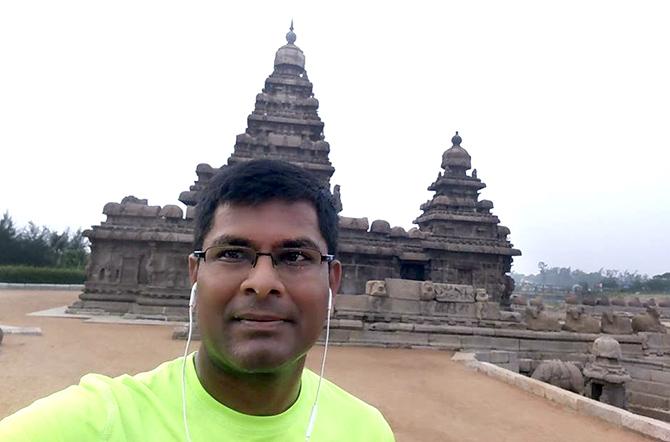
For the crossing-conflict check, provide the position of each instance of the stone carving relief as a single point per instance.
(375, 288)
(427, 291)
(454, 293)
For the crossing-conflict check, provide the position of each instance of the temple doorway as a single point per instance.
(416, 271)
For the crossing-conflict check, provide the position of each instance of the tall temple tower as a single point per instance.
(284, 124)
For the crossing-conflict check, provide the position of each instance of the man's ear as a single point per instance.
(193, 264)
(335, 276)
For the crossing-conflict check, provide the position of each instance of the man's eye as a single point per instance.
(295, 257)
(231, 255)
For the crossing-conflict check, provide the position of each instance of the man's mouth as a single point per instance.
(260, 319)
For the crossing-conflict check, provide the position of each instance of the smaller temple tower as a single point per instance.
(455, 210)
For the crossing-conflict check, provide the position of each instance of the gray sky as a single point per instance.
(563, 106)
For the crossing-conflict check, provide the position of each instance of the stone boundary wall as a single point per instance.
(597, 310)
(649, 427)
(526, 343)
(648, 391)
(15, 286)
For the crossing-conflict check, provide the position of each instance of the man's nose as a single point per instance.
(263, 279)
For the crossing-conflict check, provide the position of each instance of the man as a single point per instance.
(263, 274)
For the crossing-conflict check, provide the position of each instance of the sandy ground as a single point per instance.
(423, 394)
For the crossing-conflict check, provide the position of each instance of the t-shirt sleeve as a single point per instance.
(383, 430)
(79, 413)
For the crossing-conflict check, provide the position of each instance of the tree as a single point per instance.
(543, 272)
(38, 246)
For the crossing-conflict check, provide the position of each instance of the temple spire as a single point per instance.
(456, 140)
(290, 35)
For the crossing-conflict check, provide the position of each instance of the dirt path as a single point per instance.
(424, 395)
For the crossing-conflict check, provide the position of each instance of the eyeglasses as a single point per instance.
(286, 260)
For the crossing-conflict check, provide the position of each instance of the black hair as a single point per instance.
(258, 181)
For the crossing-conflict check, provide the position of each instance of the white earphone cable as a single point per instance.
(191, 305)
(315, 406)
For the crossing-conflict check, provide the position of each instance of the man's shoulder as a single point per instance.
(338, 405)
(91, 409)
(337, 394)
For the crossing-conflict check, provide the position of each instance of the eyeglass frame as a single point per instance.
(201, 254)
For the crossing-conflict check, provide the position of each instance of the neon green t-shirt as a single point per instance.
(148, 407)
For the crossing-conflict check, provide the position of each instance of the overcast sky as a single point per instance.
(564, 107)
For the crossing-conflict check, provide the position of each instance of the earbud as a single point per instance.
(191, 307)
(330, 300)
(194, 293)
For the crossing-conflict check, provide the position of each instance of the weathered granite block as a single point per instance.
(632, 349)
(391, 305)
(431, 328)
(351, 302)
(455, 309)
(350, 324)
(337, 335)
(446, 341)
(403, 288)
(656, 343)
(499, 357)
(639, 373)
(649, 387)
(489, 342)
(554, 346)
(391, 326)
(354, 223)
(390, 338)
(660, 376)
(649, 400)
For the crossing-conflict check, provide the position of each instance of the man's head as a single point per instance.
(265, 228)
(255, 182)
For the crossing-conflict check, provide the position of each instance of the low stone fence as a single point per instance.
(649, 390)
(652, 428)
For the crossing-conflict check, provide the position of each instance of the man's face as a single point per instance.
(261, 319)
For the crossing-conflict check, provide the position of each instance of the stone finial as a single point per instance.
(380, 226)
(456, 140)
(290, 35)
(606, 347)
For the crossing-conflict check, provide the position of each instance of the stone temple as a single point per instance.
(138, 263)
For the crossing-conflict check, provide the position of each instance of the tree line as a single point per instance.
(565, 278)
(37, 246)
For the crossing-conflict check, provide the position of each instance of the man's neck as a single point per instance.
(257, 394)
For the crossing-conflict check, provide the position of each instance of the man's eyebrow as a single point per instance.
(302, 242)
(231, 240)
